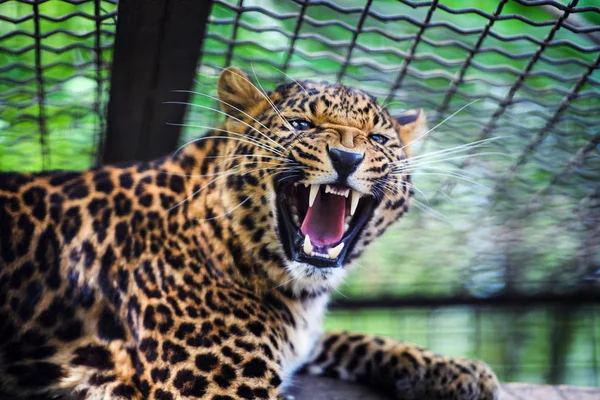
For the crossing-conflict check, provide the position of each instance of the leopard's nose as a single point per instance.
(345, 162)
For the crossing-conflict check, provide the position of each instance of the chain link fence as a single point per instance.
(55, 58)
(519, 212)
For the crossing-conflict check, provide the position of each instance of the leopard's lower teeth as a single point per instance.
(308, 248)
(315, 254)
(346, 227)
(335, 251)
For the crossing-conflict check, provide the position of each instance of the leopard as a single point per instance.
(207, 273)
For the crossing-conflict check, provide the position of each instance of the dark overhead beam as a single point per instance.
(157, 49)
(583, 296)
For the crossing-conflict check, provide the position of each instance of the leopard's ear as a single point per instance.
(237, 92)
(410, 124)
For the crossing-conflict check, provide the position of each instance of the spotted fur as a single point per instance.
(168, 280)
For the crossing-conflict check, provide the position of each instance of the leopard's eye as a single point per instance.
(381, 139)
(301, 124)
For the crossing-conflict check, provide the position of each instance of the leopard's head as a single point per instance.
(326, 172)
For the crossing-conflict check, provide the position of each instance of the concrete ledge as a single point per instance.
(311, 388)
(522, 391)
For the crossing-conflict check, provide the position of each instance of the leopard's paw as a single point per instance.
(421, 374)
(471, 380)
(489, 386)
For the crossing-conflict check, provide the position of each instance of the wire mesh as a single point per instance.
(504, 217)
(54, 63)
(516, 219)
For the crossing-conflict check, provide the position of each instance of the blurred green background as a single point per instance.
(518, 216)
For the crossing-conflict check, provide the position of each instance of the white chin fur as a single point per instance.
(309, 278)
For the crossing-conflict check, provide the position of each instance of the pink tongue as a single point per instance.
(324, 221)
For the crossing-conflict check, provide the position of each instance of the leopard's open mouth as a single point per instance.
(320, 224)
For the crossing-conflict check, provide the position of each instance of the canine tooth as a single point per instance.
(335, 251)
(308, 248)
(314, 190)
(354, 201)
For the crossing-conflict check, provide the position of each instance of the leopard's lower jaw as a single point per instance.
(304, 278)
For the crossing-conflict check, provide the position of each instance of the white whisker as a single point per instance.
(451, 150)
(458, 176)
(235, 108)
(282, 284)
(430, 211)
(222, 172)
(285, 121)
(438, 125)
(219, 177)
(336, 290)
(412, 185)
(242, 138)
(261, 91)
(298, 83)
(223, 113)
(237, 155)
(426, 162)
(236, 207)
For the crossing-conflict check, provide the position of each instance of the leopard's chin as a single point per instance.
(320, 224)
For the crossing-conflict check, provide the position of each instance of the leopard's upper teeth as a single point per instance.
(314, 190)
(335, 251)
(354, 201)
(308, 248)
(339, 192)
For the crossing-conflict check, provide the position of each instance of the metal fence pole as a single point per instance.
(157, 48)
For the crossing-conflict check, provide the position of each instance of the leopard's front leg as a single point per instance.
(404, 370)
